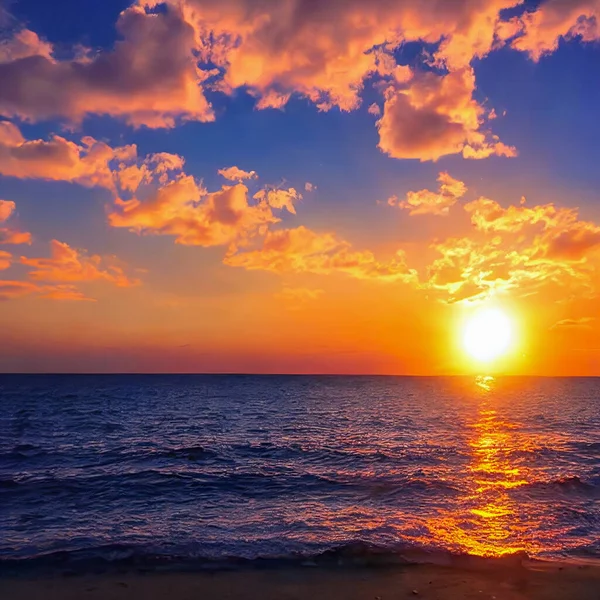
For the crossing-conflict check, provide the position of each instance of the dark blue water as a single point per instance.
(222, 467)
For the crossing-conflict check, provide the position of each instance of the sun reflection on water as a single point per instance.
(486, 521)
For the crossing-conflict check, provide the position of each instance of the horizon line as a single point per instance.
(250, 374)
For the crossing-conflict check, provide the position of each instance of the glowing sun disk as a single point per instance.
(487, 335)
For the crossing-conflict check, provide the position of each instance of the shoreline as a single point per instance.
(498, 580)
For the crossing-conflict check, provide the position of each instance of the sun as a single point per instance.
(488, 335)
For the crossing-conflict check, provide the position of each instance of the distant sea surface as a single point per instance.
(222, 468)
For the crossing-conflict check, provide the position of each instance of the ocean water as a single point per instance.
(222, 468)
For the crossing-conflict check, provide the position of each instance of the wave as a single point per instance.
(568, 484)
(248, 484)
(350, 554)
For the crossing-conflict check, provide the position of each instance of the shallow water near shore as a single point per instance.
(239, 468)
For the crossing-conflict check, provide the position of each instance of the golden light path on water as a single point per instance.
(487, 521)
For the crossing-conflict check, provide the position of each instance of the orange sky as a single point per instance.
(300, 188)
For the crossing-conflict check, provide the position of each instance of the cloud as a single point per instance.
(374, 110)
(279, 199)
(516, 249)
(90, 163)
(559, 232)
(58, 159)
(5, 260)
(236, 174)
(580, 323)
(325, 50)
(435, 116)
(539, 32)
(425, 202)
(7, 208)
(8, 235)
(310, 187)
(302, 250)
(149, 78)
(17, 289)
(14, 238)
(23, 44)
(59, 276)
(67, 265)
(184, 209)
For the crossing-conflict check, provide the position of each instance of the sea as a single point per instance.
(216, 470)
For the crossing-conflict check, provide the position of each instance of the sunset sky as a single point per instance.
(298, 186)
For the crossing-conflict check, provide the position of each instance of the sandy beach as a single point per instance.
(538, 581)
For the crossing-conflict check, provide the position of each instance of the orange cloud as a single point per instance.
(17, 289)
(302, 250)
(425, 202)
(580, 323)
(374, 110)
(435, 116)
(325, 50)
(58, 159)
(7, 208)
(560, 232)
(517, 249)
(184, 209)
(150, 77)
(279, 199)
(130, 176)
(91, 163)
(5, 260)
(236, 174)
(10, 236)
(23, 44)
(541, 30)
(14, 238)
(67, 265)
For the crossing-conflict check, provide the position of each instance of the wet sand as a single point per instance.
(542, 581)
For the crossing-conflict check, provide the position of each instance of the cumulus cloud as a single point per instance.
(374, 110)
(436, 116)
(150, 77)
(68, 265)
(237, 174)
(7, 208)
(9, 235)
(558, 231)
(59, 276)
(23, 44)
(539, 32)
(516, 249)
(184, 209)
(57, 159)
(279, 198)
(309, 187)
(90, 163)
(325, 50)
(302, 250)
(426, 202)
